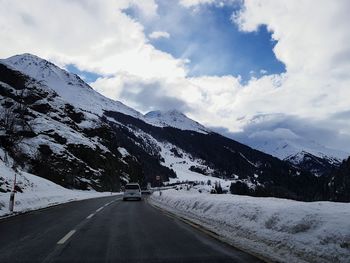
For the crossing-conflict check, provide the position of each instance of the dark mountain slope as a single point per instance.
(232, 160)
(338, 186)
(320, 166)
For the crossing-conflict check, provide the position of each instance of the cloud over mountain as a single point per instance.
(118, 46)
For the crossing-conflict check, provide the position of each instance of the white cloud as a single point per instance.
(148, 8)
(309, 38)
(309, 35)
(159, 34)
(196, 3)
(192, 3)
(281, 133)
(276, 131)
(95, 35)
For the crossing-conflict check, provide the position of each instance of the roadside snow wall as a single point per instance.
(276, 229)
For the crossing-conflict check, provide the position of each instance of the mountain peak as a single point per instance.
(23, 57)
(42, 70)
(28, 60)
(68, 85)
(176, 119)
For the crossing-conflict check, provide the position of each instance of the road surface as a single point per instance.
(108, 230)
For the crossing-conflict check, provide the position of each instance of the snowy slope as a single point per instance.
(279, 230)
(176, 119)
(36, 192)
(69, 86)
(57, 140)
(178, 160)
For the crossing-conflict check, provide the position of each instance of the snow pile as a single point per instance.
(277, 229)
(37, 192)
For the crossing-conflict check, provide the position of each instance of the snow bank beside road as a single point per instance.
(277, 229)
(37, 192)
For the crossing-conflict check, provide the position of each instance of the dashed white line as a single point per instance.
(88, 217)
(98, 210)
(66, 237)
(71, 233)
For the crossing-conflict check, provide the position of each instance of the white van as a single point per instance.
(132, 191)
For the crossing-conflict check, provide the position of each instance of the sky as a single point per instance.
(244, 67)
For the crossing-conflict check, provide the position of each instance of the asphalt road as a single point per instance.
(108, 230)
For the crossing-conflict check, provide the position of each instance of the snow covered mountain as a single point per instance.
(56, 126)
(75, 91)
(53, 139)
(67, 85)
(284, 148)
(176, 119)
(301, 152)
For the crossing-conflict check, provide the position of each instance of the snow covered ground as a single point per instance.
(277, 229)
(181, 163)
(37, 192)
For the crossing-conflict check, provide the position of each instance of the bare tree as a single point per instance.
(14, 124)
(8, 119)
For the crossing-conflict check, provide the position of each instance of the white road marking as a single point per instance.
(98, 210)
(90, 216)
(66, 237)
(71, 233)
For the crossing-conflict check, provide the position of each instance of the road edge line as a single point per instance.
(19, 213)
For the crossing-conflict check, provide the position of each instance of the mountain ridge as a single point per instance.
(81, 147)
(72, 88)
(300, 152)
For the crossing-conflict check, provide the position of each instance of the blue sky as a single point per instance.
(209, 39)
(87, 76)
(213, 44)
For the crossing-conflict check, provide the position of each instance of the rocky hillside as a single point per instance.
(58, 141)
